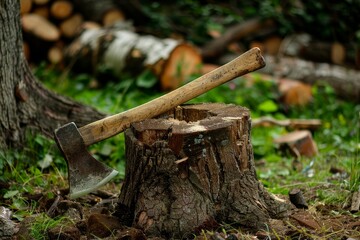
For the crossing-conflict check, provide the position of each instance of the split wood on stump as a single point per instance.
(193, 169)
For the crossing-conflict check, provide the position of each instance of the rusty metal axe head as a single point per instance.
(85, 173)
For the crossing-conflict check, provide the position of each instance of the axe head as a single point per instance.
(85, 173)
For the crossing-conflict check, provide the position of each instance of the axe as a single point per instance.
(85, 173)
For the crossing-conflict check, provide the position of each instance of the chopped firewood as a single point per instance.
(170, 60)
(300, 143)
(42, 11)
(112, 16)
(40, 27)
(338, 53)
(61, 9)
(355, 203)
(294, 92)
(272, 45)
(55, 55)
(311, 124)
(297, 198)
(25, 6)
(71, 26)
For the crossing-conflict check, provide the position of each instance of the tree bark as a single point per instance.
(24, 102)
(193, 169)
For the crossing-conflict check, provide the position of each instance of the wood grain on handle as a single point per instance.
(112, 125)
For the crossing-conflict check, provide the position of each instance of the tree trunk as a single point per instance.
(24, 102)
(193, 169)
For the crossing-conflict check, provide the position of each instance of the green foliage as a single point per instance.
(169, 17)
(330, 21)
(36, 167)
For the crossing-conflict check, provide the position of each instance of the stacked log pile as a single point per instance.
(49, 25)
(84, 35)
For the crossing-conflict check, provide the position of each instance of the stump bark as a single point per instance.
(193, 169)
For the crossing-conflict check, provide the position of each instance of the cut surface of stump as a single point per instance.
(193, 169)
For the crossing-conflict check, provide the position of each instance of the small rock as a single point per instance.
(64, 233)
(73, 214)
(7, 227)
(101, 225)
(297, 198)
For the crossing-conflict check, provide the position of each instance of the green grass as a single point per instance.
(42, 223)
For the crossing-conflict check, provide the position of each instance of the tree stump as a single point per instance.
(193, 169)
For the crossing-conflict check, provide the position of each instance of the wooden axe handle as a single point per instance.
(112, 125)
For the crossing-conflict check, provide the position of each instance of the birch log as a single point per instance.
(170, 60)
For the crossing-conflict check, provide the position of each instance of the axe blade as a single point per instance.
(85, 173)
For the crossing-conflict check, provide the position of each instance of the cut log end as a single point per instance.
(112, 16)
(184, 61)
(25, 6)
(61, 9)
(71, 26)
(55, 55)
(300, 143)
(295, 93)
(40, 27)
